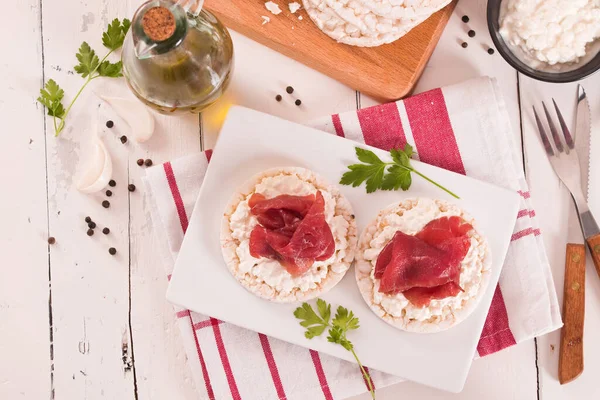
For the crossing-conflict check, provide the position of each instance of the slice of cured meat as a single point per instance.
(292, 230)
(413, 262)
(422, 296)
(283, 213)
(425, 266)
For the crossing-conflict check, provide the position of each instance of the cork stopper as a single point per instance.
(158, 23)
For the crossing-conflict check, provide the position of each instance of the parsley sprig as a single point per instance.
(90, 67)
(342, 322)
(385, 175)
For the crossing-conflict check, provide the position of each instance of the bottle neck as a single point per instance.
(158, 27)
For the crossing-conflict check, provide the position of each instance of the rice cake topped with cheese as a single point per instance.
(369, 23)
(410, 217)
(267, 278)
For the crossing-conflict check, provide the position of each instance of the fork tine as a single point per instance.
(565, 129)
(557, 141)
(543, 135)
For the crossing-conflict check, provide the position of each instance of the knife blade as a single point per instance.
(583, 144)
(583, 138)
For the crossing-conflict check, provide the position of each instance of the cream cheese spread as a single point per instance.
(552, 35)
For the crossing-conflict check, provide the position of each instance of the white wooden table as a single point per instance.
(68, 310)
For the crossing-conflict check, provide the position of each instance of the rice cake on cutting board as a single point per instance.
(387, 72)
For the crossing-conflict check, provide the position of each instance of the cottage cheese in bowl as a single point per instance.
(552, 35)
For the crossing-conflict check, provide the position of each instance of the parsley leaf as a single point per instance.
(110, 70)
(114, 35)
(384, 175)
(51, 97)
(89, 67)
(367, 156)
(343, 321)
(397, 178)
(314, 324)
(88, 60)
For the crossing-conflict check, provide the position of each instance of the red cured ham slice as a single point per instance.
(283, 213)
(413, 262)
(422, 296)
(292, 230)
(425, 266)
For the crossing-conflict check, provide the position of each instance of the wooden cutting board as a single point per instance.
(387, 72)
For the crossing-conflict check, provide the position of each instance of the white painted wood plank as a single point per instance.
(552, 203)
(160, 358)
(24, 325)
(90, 288)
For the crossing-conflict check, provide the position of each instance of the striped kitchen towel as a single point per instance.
(463, 128)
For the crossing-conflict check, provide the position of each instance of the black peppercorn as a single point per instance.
(278, 97)
(465, 45)
(105, 204)
(110, 124)
(148, 163)
(112, 183)
(92, 225)
(108, 193)
(51, 240)
(465, 19)
(88, 219)
(112, 251)
(140, 162)
(106, 231)
(490, 51)
(289, 89)
(471, 33)
(123, 139)
(90, 232)
(298, 102)
(131, 187)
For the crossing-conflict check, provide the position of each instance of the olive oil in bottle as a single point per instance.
(176, 61)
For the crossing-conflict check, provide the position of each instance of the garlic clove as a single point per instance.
(98, 171)
(136, 114)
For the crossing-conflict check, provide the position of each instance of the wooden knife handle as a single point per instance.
(570, 362)
(594, 244)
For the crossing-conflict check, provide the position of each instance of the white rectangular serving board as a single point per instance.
(251, 142)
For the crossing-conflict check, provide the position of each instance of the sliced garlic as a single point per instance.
(136, 114)
(98, 171)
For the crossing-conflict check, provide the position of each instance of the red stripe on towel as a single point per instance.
(235, 394)
(436, 144)
(381, 126)
(526, 213)
(183, 219)
(496, 334)
(432, 131)
(337, 124)
(206, 323)
(184, 224)
(522, 234)
(316, 359)
(525, 195)
(266, 346)
(370, 377)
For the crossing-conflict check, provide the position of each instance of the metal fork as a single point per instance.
(565, 161)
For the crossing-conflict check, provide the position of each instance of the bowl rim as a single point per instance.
(504, 50)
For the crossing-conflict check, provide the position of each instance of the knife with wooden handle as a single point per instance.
(570, 362)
